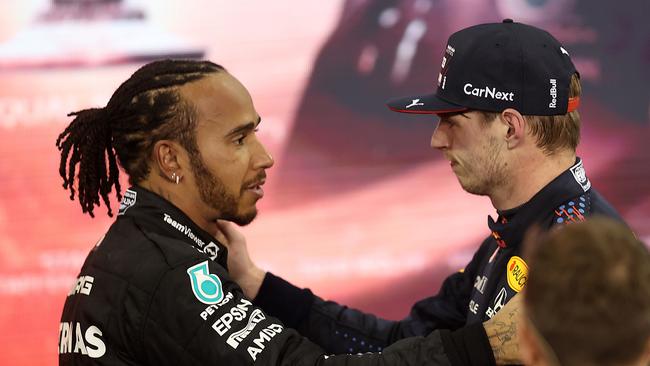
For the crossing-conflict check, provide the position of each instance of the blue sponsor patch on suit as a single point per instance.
(206, 286)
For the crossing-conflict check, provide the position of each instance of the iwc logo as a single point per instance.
(206, 286)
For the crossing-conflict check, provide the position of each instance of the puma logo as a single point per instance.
(414, 103)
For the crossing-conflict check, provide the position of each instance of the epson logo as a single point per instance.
(553, 92)
(488, 92)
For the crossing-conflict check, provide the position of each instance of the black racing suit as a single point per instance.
(467, 298)
(155, 290)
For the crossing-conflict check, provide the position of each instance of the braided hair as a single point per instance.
(146, 108)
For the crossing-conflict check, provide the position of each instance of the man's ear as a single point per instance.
(515, 126)
(167, 159)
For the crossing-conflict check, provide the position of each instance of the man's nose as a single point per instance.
(439, 139)
(263, 160)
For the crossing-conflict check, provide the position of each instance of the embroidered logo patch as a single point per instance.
(206, 286)
(212, 250)
(517, 273)
(499, 302)
(580, 176)
(127, 201)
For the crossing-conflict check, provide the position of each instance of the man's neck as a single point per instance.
(181, 201)
(528, 176)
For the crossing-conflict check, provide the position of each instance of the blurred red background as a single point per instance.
(358, 207)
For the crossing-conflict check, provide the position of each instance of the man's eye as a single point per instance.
(240, 140)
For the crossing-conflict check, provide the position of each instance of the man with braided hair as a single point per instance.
(142, 110)
(156, 288)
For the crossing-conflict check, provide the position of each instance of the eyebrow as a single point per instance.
(448, 116)
(247, 127)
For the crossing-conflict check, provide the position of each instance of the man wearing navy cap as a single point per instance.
(507, 98)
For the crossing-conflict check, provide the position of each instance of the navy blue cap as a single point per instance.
(495, 66)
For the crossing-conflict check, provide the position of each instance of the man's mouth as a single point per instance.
(452, 161)
(256, 187)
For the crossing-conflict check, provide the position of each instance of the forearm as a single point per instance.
(503, 342)
(336, 328)
(468, 346)
(502, 334)
(251, 281)
(420, 351)
(284, 301)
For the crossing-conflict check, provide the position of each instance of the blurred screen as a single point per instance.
(358, 207)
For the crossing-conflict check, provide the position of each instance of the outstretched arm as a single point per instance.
(339, 329)
(502, 332)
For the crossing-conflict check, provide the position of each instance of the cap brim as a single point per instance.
(423, 104)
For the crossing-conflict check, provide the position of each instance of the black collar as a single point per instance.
(509, 228)
(156, 214)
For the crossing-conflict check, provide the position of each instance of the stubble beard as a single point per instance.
(214, 194)
(487, 172)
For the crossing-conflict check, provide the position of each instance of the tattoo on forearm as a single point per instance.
(502, 334)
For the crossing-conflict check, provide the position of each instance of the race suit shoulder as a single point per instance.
(496, 273)
(156, 290)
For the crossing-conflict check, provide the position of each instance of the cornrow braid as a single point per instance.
(144, 109)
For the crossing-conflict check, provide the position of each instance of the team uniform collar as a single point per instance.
(509, 228)
(154, 213)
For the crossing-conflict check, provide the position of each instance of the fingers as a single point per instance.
(227, 229)
(220, 236)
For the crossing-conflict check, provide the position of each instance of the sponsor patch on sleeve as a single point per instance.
(128, 200)
(517, 273)
(206, 286)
